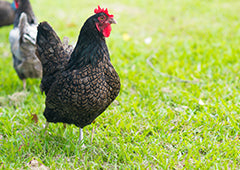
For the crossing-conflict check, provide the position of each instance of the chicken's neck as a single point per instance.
(90, 49)
(25, 6)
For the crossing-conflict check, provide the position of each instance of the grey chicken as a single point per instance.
(22, 40)
(79, 84)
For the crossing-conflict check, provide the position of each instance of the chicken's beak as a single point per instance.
(112, 21)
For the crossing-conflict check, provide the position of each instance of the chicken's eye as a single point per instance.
(101, 18)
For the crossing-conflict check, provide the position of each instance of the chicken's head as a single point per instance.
(16, 3)
(104, 21)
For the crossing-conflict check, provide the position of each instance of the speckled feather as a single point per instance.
(52, 53)
(81, 89)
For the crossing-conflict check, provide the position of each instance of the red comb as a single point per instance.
(99, 10)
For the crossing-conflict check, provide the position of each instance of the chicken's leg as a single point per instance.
(81, 134)
(46, 126)
(24, 84)
(81, 138)
(93, 122)
(92, 134)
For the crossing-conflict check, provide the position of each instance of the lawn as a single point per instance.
(179, 105)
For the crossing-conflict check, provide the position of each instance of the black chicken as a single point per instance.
(24, 6)
(79, 85)
(7, 12)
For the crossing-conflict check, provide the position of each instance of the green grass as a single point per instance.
(160, 121)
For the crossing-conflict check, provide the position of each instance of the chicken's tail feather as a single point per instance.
(47, 43)
(51, 53)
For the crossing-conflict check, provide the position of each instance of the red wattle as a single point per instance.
(106, 32)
